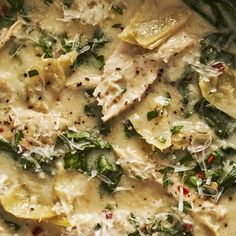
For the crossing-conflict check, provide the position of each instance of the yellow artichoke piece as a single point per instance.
(149, 29)
(21, 204)
(221, 91)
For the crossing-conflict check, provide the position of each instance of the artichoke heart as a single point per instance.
(149, 29)
(220, 91)
(19, 203)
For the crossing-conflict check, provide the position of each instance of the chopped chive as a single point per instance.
(33, 73)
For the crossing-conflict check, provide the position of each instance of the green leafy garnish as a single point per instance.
(165, 178)
(92, 109)
(12, 225)
(35, 162)
(46, 42)
(68, 3)
(116, 26)
(80, 156)
(213, 49)
(129, 129)
(118, 9)
(48, 2)
(152, 114)
(89, 51)
(33, 73)
(221, 13)
(186, 79)
(220, 122)
(176, 129)
(169, 224)
(14, 9)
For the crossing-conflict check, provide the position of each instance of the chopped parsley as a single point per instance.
(33, 73)
(129, 129)
(152, 114)
(118, 10)
(176, 129)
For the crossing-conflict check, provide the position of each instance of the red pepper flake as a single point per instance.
(188, 227)
(1, 129)
(185, 190)
(200, 175)
(108, 214)
(37, 230)
(219, 66)
(4, 9)
(211, 159)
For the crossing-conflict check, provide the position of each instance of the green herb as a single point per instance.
(170, 225)
(133, 220)
(93, 109)
(220, 122)
(46, 42)
(162, 139)
(221, 14)
(16, 8)
(152, 114)
(165, 178)
(97, 227)
(129, 129)
(110, 173)
(176, 129)
(12, 225)
(16, 49)
(136, 233)
(34, 162)
(48, 2)
(33, 73)
(68, 3)
(88, 52)
(213, 49)
(221, 171)
(118, 9)
(79, 156)
(116, 26)
(186, 79)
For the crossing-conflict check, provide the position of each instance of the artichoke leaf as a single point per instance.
(149, 29)
(220, 91)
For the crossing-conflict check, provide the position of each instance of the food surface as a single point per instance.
(118, 118)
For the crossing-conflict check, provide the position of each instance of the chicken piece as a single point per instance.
(127, 75)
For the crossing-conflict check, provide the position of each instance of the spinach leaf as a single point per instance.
(220, 122)
(81, 145)
(46, 42)
(165, 178)
(34, 162)
(89, 51)
(13, 9)
(213, 49)
(219, 13)
(183, 83)
(129, 129)
(93, 109)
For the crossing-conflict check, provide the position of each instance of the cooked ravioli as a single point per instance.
(117, 118)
